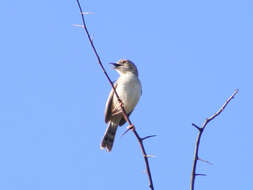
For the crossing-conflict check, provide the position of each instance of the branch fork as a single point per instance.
(201, 130)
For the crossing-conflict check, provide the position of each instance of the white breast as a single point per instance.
(129, 90)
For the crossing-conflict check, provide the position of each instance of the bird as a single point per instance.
(129, 89)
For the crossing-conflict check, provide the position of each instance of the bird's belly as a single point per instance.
(129, 95)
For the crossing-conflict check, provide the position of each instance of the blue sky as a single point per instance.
(191, 56)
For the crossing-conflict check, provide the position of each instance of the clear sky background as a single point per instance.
(191, 56)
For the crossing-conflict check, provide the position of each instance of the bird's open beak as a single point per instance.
(115, 65)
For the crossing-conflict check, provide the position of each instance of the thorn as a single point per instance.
(150, 136)
(125, 132)
(78, 25)
(87, 13)
(202, 160)
(149, 156)
(128, 129)
(200, 174)
(197, 127)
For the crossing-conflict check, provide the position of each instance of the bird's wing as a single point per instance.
(108, 105)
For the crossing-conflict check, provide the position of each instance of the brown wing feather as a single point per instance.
(108, 105)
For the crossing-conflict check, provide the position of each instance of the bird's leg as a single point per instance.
(119, 109)
(121, 104)
(129, 127)
(117, 112)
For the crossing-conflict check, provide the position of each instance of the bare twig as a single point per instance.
(201, 130)
(140, 140)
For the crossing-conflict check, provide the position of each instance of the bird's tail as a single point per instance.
(108, 138)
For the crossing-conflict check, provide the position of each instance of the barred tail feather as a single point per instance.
(108, 138)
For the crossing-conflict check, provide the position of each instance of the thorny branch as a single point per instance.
(201, 130)
(132, 127)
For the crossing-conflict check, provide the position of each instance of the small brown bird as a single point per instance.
(129, 90)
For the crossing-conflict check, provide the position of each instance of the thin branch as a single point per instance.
(201, 130)
(140, 141)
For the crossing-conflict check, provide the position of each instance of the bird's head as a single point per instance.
(125, 66)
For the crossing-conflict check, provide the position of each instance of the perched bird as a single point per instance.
(129, 90)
